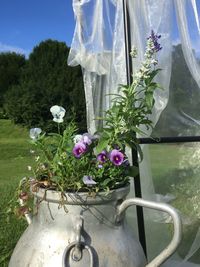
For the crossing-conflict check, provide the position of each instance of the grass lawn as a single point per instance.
(15, 158)
(168, 175)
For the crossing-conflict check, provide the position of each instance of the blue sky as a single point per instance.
(25, 23)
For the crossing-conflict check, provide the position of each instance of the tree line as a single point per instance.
(29, 87)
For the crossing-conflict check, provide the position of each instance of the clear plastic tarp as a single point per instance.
(169, 173)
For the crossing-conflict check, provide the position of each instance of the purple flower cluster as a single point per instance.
(81, 146)
(154, 38)
(115, 156)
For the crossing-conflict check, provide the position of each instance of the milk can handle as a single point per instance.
(170, 249)
(77, 246)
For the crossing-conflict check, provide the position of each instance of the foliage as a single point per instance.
(133, 105)
(11, 67)
(183, 101)
(47, 79)
(66, 161)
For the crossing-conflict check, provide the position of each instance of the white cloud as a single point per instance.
(9, 48)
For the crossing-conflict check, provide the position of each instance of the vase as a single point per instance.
(82, 230)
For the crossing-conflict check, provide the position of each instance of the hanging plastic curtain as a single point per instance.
(98, 46)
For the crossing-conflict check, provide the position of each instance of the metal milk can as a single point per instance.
(86, 231)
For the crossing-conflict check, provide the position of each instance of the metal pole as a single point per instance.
(169, 139)
(137, 183)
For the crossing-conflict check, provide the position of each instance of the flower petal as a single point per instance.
(116, 157)
(34, 133)
(101, 157)
(88, 180)
(79, 149)
(58, 113)
(77, 138)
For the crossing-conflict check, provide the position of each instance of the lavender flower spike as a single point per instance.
(79, 149)
(116, 157)
(101, 157)
(154, 38)
(88, 180)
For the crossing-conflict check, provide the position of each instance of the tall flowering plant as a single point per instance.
(72, 162)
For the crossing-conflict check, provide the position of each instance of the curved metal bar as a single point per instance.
(73, 245)
(170, 249)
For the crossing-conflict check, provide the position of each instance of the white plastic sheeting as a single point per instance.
(98, 46)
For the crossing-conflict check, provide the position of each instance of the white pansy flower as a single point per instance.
(58, 113)
(77, 138)
(34, 133)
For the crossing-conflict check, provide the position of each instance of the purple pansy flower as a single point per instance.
(88, 180)
(126, 163)
(102, 156)
(79, 149)
(116, 157)
(154, 38)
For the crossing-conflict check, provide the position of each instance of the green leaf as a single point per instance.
(137, 130)
(54, 134)
(133, 171)
(152, 75)
(103, 143)
(55, 178)
(106, 182)
(149, 99)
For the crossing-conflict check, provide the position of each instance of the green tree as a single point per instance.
(47, 80)
(11, 66)
(183, 100)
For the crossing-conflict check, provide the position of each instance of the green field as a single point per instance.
(174, 170)
(14, 159)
